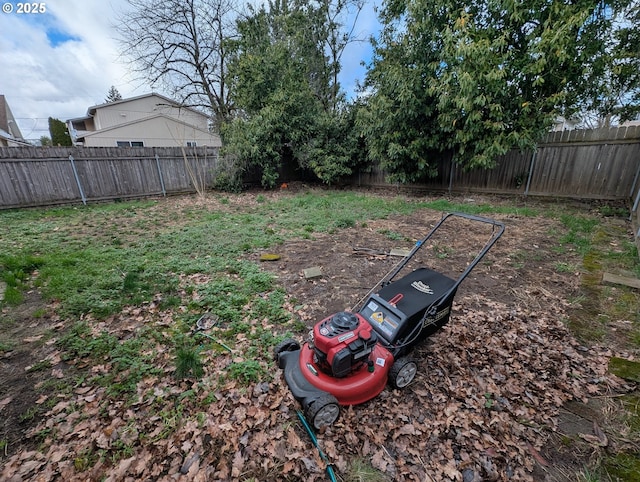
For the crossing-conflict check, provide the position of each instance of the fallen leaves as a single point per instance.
(487, 395)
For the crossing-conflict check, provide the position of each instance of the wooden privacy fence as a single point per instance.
(37, 176)
(586, 164)
(635, 208)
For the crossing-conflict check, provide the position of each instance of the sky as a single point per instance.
(61, 59)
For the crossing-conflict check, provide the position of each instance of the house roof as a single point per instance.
(8, 123)
(92, 110)
(5, 135)
(139, 121)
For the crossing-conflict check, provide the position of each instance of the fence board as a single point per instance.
(33, 176)
(598, 164)
(590, 164)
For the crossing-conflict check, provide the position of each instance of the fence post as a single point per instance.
(637, 201)
(164, 192)
(75, 173)
(453, 167)
(531, 166)
(635, 181)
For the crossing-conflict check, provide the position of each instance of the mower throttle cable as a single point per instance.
(330, 472)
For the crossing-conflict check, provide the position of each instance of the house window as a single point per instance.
(192, 144)
(130, 143)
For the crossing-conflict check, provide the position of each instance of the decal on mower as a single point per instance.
(438, 317)
(378, 317)
(346, 336)
(420, 286)
(380, 362)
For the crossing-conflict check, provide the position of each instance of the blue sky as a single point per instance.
(59, 62)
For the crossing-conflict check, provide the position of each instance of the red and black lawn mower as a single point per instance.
(351, 355)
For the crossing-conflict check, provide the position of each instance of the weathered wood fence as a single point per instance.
(586, 164)
(635, 208)
(37, 176)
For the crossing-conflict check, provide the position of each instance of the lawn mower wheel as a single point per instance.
(286, 345)
(402, 372)
(323, 410)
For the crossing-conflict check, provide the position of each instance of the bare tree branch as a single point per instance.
(181, 45)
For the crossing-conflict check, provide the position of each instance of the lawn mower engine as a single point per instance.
(342, 344)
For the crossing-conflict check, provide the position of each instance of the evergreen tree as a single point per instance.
(59, 134)
(285, 87)
(477, 78)
(113, 95)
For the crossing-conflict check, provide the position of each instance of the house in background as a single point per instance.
(10, 135)
(149, 120)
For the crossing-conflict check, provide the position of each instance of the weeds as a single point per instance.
(188, 363)
(247, 371)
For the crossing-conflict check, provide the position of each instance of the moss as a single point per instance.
(591, 262)
(627, 369)
(623, 466)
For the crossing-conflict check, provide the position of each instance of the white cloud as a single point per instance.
(43, 78)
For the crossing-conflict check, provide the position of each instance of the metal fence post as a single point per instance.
(636, 203)
(531, 166)
(164, 192)
(75, 173)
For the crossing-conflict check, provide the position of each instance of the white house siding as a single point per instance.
(153, 132)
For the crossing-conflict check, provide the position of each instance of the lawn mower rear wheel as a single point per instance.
(402, 372)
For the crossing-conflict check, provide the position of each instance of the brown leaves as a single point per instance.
(486, 396)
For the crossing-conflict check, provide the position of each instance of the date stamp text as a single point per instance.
(24, 8)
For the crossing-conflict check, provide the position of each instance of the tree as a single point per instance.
(113, 95)
(473, 78)
(285, 89)
(59, 134)
(182, 46)
(45, 141)
(609, 87)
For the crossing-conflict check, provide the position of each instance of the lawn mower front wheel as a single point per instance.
(288, 344)
(322, 411)
(402, 372)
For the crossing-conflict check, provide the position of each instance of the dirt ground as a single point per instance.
(518, 278)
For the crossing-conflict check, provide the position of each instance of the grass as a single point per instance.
(188, 363)
(362, 471)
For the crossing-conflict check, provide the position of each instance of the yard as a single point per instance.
(103, 377)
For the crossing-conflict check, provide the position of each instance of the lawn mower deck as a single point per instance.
(351, 356)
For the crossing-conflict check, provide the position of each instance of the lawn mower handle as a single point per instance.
(494, 237)
(431, 311)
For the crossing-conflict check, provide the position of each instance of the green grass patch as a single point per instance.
(623, 466)
(131, 360)
(627, 369)
(188, 363)
(480, 209)
(246, 372)
(12, 296)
